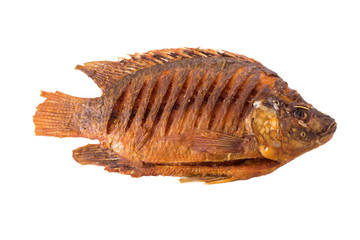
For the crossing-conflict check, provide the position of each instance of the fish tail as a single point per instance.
(62, 115)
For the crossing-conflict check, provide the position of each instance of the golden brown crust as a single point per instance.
(174, 112)
(209, 93)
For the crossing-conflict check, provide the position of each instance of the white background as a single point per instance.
(45, 194)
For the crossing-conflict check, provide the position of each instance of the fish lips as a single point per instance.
(327, 134)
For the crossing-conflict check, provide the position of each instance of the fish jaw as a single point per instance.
(328, 133)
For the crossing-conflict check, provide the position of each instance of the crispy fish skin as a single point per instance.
(200, 114)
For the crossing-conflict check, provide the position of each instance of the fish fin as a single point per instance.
(95, 154)
(219, 180)
(106, 73)
(211, 142)
(207, 180)
(56, 116)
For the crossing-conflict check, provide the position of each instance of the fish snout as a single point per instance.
(329, 131)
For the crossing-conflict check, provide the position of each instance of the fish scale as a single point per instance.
(178, 82)
(159, 85)
(194, 79)
(239, 78)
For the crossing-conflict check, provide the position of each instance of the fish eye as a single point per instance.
(300, 113)
(276, 102)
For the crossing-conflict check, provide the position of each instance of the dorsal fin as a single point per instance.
(106, 73)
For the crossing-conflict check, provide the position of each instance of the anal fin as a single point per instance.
(97, 155)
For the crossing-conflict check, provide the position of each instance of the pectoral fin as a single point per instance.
(212, 142)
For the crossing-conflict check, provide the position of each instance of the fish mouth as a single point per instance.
(326, 135)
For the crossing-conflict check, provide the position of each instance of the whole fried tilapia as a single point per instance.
(199, 114)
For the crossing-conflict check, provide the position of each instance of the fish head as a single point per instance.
(287, 126)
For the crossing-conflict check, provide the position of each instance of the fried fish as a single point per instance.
(199, 114)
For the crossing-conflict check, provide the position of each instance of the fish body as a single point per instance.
(199, 114)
